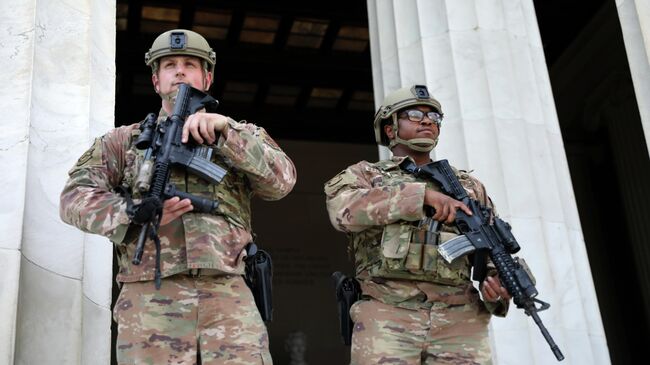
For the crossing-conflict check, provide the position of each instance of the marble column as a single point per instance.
(484, 61)
(16, 55)
(635, 24)
(59, 59)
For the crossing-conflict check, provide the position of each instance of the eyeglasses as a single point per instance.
(416, 115)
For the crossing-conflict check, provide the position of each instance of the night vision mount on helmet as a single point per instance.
(180, 42)
(396, 101)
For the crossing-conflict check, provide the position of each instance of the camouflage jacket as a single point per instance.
(255, 165)
(381, 209)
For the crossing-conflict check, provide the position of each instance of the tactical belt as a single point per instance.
(202, 273)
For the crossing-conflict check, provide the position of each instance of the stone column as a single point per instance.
(484, 61)
(59, 57)
(635, 24)
(16, 55)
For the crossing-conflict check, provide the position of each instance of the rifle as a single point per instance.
(348, 291)
(164, 149)
(259, 278)
(482, 237)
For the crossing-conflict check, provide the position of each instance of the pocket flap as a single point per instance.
(395, 240)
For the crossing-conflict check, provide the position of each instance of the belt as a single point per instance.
(203, 273)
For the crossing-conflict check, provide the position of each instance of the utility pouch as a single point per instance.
(430, 258)
(414, 257)
(406, 255)
(395, 245)
(402, 252)
(259, 277)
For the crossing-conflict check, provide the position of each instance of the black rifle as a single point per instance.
(164, 149)
(482, 236)
(259, 278)
(348, 291)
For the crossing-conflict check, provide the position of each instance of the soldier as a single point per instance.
(203, 313)
(415, 308)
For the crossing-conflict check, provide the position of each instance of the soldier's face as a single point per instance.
(175, 70)
(426, 128)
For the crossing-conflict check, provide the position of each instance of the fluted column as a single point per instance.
(635, 24)
(484, 61)
(59, 59)
(16, 55)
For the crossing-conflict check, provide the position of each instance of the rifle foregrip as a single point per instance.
(200, 204)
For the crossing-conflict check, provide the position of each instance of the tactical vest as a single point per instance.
(407, 250)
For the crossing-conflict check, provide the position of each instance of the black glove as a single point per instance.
(145, 211)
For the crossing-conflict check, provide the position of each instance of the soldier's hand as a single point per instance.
(174, 208)
(204, 127)
(493, 291)
(445, 206)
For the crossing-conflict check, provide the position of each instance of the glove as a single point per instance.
(145, 211)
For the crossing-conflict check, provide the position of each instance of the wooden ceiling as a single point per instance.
(299, 69)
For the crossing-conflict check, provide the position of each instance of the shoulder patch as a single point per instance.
(93, 156)
(339, 181)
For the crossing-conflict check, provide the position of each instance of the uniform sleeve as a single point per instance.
(87, 200)
(252, 151)
(354, 204)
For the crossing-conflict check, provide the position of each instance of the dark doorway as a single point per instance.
(608, 160)
(302, 71)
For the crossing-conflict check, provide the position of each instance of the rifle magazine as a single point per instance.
(455, 248)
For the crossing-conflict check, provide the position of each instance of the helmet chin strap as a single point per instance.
(416, 144)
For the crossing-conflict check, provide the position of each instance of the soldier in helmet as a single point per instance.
(415, 308)
(203, 312)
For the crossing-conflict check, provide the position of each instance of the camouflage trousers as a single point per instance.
(214, 316)
(385, 334)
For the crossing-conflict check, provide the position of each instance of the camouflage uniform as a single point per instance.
(216, 310)
(416, 307)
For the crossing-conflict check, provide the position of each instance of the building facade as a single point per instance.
(482, 59)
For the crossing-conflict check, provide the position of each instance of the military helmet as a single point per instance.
(398, 100)
(180, 42)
